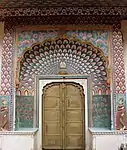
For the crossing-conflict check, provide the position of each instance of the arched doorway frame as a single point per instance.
(83, 80)
(55, 73)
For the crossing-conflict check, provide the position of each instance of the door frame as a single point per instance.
(43, 80)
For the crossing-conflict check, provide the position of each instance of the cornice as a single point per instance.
(116, 11)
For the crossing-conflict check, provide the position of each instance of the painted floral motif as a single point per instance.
(97, 38)
(24, 111)
(101, 111)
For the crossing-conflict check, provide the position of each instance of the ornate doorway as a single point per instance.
(63, 116)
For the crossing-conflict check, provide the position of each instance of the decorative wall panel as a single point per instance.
(102, 111)
(118, 59)
(118, 68)
(24, 111)
(98, 38)
(7, 69)
(7, 59)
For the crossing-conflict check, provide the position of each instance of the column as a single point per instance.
(118, 66)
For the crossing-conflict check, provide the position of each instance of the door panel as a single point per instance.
(74, 116)
(52, 142)
(52, 102)
(74, 142)
(52, 115)
(74, 128)
(52, 128)
(63, 116)
(73, 101)
(51, 118)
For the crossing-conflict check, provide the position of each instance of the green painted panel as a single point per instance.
(24, 111)
(102, 111)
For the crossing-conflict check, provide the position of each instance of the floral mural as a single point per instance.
(98, 38)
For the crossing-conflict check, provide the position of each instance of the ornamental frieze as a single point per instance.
(58, 11)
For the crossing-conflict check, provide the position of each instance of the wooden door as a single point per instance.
(63, 116)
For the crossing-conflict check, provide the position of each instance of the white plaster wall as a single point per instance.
(108, 142)
(37, 141)
(42, 83)
(90, 141)
(17, 142)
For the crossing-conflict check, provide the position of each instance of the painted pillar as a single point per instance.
(7, 76)
(1, 46)
(124, 32)
(119, 88)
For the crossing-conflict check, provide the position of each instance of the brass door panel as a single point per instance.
(74, 121)
(51, 118)
(63, 116)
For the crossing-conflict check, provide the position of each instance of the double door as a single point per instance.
(63, 116)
